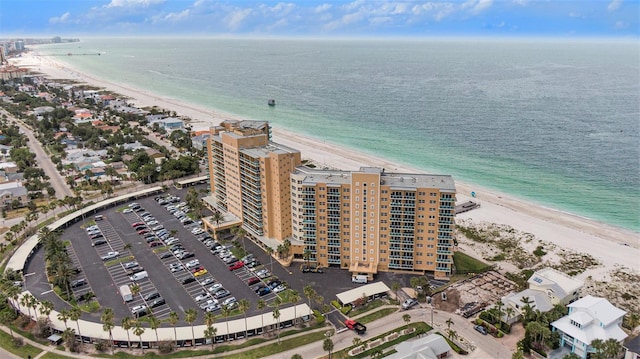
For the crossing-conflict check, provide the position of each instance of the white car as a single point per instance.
(203, 296)
(279, 288)
(197, 230)
(192, 263)
(207, 281)
(128, 210)
(229, 302)
(214, 288)
(110, 255)
(208, 303)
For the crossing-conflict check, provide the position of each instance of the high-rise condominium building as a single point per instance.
(365, 221)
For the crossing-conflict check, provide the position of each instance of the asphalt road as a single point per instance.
(44, 161)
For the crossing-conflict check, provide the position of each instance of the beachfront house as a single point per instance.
(589, 318)
(433, 346)
(547, 287)
(13, 195)
(632, 348)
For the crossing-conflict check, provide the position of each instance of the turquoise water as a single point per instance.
(552, 122)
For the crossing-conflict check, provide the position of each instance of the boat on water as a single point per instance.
(271, 102)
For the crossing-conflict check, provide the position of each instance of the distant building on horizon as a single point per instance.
(365, 221)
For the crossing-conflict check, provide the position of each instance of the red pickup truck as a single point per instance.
(355, 326)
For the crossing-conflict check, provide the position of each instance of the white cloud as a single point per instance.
(235, 18)
(178, 16)
(575, 15)
(481, 5)
(322, 8)
(60, 19)
(614, 5)
(280, 9)
(380, 20)
(132, 3)
(621, 25)
(521, 2)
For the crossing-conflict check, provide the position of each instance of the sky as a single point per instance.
(321, 18)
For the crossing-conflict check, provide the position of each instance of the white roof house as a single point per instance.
(547, 287)
(432, 346)
(589, 318)
(559, 287)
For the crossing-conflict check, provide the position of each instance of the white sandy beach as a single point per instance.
(613, 247)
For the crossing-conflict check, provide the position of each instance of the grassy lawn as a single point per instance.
(377, 315)
(468, 264)
(368, 307)
(7, 343)
(54, 356)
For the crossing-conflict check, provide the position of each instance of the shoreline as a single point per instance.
(564, 229)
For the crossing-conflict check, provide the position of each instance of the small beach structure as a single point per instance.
(271, 102)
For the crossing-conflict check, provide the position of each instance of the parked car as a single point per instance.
(192, 263)
(202, 296)
(236, 265)
(78, 283)
(263, 291)
(480, 329)
(130, 265)
(152, 295)
(158, 302)
(207, 281)
(279, 288)
(110, 255)
(222, 293)
(99, 242)
(166, 255)
(156, 244)
(407, 304)
(253, 280)
(216, 287)
(188, 280)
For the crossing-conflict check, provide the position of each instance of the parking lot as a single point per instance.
(143, 244)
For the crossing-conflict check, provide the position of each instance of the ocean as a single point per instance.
(554, 122)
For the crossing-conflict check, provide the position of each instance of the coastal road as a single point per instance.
(44, 161)
(486, 346)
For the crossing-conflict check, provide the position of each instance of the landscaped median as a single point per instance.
(364, 348)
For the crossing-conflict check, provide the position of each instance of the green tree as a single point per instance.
(449, 323)
(126, 324)
(406, 318)
(260, 306)
(243, 306)
(276, 315)
(74, 314)
(45, 308)
(327, 346)
(294, 298)
(138, 330)
(107, 324)
(296, 356)
(173, 319)
(63, 315)
(395, 287)
(190, 316)
(309, 292)
(211, 331)
(154, 324)
(226, 311)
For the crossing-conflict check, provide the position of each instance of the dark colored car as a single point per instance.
(263, 291)
(152, 295)
(78, 283)
(158, 302)
(166, 255)
(188, 280)
(253, 280)
(99, 242)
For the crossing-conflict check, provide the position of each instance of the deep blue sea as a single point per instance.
(553, 122)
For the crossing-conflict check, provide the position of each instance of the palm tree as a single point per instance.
(63, 315)
(356, 341)
(173, 319)
(449, 323)
(294, 298)
(45, 308)
(135, 289)
(154, 323)
(240, 233)
(260, 306)
(138, 330)
(190, 316)
(395, 287)
(217, 217)
(6, 317)
(452, 334)
(327, 345)
(24, 301)
(309, 292)
(126, 324)
(226, 311)
(499, 306)
(107, 324)
(534, 329)
(74, 314)
(306, 255)
(243, 306)
(527, 307)
(296, 356)
(276, 314)
(509, 312)
(211, 333)
(69, 337)
(406, 318)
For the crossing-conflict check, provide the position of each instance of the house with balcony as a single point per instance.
(589, 318)
(547, 287)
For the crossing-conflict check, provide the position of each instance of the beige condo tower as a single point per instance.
(365, 221)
